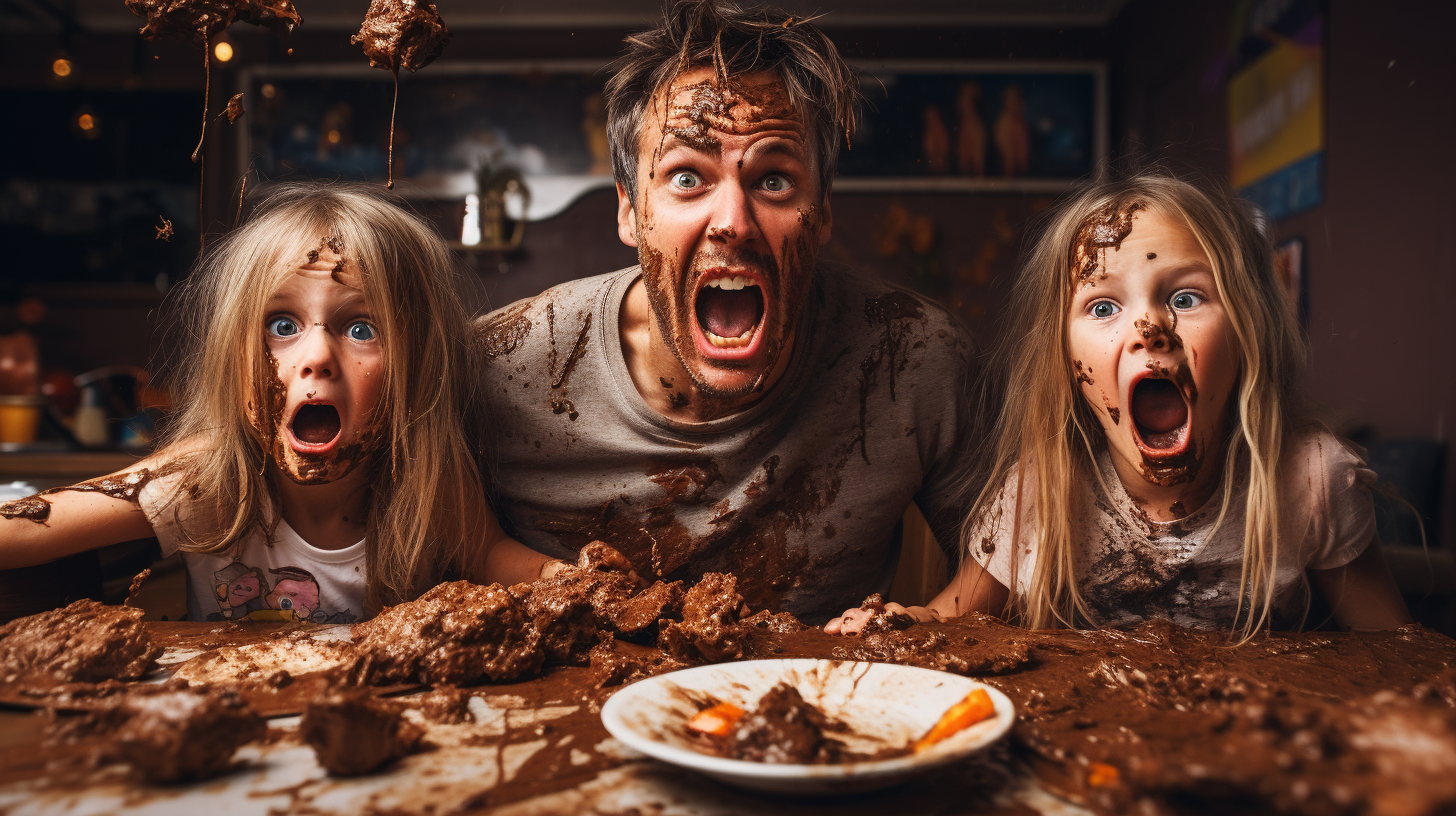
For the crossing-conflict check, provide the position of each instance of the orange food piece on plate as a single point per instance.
(717, 720)
(977, 706)
(1102, 775)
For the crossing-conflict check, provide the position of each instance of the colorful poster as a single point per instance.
(1276, 124)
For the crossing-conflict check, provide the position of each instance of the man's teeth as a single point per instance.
(730, 342)
(730, 283)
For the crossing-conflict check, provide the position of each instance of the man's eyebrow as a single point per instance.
(672, 142)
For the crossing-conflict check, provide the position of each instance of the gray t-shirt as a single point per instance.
(800, 495)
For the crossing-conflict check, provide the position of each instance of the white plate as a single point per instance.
(883, 704)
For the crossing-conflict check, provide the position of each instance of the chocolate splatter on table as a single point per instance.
(1157, 718)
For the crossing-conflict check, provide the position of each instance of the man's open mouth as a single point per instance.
(729, 311)
(315, 426)
(1160, 417)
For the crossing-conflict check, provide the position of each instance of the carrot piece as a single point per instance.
(717, 720)
(1102, 775)
(976, 707)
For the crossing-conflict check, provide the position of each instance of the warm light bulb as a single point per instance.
(61, 67)
(223, 51)
(268, 90)
(86, 122)
(334, 137)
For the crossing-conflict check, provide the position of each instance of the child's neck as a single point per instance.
(1171, 502)
(328, 516)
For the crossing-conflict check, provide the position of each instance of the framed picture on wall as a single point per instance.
(542, 120)
(959, 125)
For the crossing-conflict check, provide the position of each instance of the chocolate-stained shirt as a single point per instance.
(800, 495)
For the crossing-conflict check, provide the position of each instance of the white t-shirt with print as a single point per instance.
(273, 578)
(1132, 568)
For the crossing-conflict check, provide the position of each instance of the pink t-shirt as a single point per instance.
(1132, 568)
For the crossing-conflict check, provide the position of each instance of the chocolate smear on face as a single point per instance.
(1155, 335)
(164, 232)
(729, 107)
(1105, 228)
(1082, 375)
(401, 34)
(1116, 415)
(305, 468)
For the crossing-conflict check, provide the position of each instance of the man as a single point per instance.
(730, 404)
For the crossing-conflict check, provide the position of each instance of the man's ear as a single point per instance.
(826, 220)
(626, 218)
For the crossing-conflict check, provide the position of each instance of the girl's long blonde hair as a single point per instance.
(1043, 420)
(427, 507)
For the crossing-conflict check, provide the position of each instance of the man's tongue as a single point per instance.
(316, 424)
(729, 312)
(1158, 408)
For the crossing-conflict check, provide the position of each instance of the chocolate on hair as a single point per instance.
(734, 41)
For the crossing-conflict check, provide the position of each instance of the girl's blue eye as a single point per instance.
(1104, 308)
(685, 180)
(1183, 301)
(283, 327)
(776, 183)
(361, 331)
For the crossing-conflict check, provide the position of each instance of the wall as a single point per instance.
(1380, 261)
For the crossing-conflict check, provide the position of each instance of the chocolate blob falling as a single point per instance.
(401, 33)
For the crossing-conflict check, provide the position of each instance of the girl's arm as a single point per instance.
(75, 522)
(971, 590)
(1362, 594)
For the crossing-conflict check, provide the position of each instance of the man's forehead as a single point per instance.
(746, 103)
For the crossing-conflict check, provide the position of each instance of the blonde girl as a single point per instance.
(322, 462)
(1153, 456)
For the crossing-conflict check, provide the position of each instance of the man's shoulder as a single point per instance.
(873, 305)
(502, 331)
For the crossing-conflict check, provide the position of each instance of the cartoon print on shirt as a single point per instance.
(296, 592)
(243, 593)
(239, 589)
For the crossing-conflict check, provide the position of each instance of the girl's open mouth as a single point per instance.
(1160, 418)
(729, 311)
(315, 427)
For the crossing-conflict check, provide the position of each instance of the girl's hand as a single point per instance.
(853, 621)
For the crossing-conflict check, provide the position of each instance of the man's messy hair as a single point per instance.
(734, 41)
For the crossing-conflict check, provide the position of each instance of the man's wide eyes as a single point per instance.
(776, 183)
(684, 180)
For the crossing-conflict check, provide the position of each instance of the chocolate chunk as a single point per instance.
(456, 633)
(168, 733)
(234, 108)
(785, 729)
(84, 642)
(201, 20)
(402, 34)
(710, 629)
(352, 733)
(164, 232)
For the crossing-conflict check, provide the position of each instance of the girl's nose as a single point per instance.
(318, 359)
(1153, 335)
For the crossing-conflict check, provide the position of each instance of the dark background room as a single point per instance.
(983, 113)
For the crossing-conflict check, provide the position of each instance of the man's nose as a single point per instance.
(732, 223)
(317, 353)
